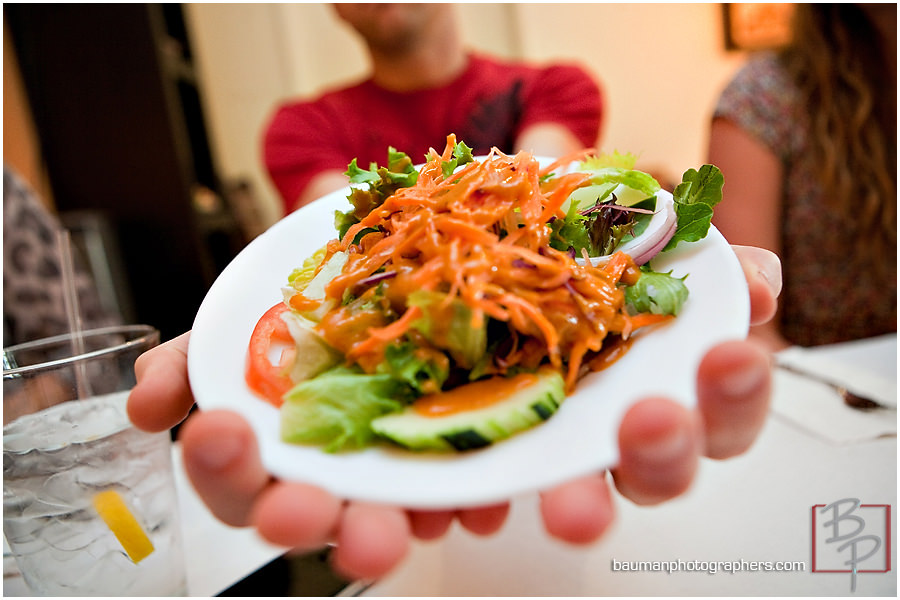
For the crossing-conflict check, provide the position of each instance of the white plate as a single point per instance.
(580, 438)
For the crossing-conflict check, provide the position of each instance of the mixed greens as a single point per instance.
(468, 271)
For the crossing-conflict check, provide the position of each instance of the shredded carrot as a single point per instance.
(559, 192)
(567, 160)
(645, 319)
(618, 264)
(481, 237)
(378, 337)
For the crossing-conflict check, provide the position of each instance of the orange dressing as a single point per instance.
(345, 327)
(608, 356)
(302, 303)
(473, 396)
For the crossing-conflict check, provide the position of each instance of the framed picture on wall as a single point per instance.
(757, 26)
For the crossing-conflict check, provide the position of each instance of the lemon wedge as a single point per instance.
(112, 509)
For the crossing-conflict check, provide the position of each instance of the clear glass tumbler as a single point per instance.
(89, 501)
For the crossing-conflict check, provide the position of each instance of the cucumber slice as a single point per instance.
(534, 400)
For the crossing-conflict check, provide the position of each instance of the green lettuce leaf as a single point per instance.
(570, 231)
(335, 409)
(300, 277)
(695, 197)
(607, 228)
(399, 171)
(636, 180)
(449, 327)
(381, 183)
(343, 221)
(657, 293)
(462, 155)
(420, 370)
(615, 159)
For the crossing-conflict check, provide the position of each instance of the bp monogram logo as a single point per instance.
(851, 537)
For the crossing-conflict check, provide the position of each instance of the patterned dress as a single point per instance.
(829, 295)
(33, 297)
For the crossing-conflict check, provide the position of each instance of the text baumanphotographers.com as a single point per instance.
(705, 566)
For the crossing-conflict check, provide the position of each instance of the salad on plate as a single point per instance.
(460, 302)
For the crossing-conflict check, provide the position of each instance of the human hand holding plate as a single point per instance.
(224, 463)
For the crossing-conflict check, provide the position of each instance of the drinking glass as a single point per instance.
(89, 501)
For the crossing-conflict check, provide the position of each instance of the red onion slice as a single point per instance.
(371, 280)
(658, 233)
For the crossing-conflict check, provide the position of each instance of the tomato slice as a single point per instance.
(269, 380)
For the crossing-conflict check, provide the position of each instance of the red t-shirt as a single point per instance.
(488, 105)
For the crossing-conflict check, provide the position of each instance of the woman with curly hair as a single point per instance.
(807, 140)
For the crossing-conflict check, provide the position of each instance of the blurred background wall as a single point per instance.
(661, 66)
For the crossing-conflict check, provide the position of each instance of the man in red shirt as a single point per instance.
(423, 86)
